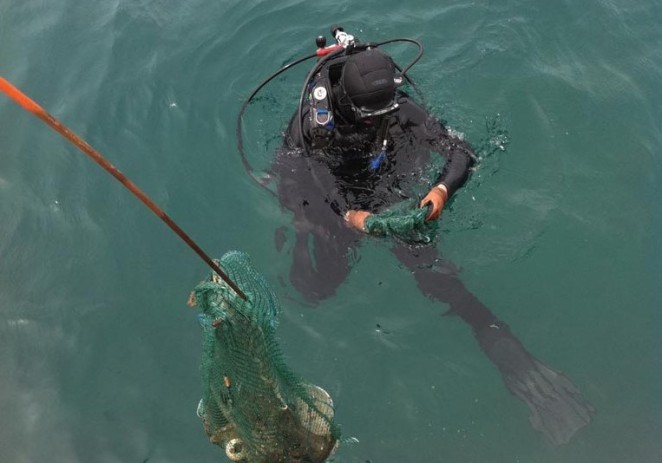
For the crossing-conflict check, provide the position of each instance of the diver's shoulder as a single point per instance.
(409, 109)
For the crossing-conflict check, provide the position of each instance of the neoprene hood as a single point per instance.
(368, 80)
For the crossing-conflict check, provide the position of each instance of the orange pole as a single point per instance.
(28, 104)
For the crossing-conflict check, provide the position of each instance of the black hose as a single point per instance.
(240, 140)
(403, 72)
(415, 42)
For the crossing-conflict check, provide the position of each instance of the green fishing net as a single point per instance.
(404, 221)
(253, 405)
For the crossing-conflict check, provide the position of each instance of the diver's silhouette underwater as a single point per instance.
(352, 108)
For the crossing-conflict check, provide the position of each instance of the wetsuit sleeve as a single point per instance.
(459, 159)
(459, 155)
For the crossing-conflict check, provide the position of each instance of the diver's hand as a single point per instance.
(437, 197)
(357, 218)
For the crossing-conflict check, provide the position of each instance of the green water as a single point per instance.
(558, 235)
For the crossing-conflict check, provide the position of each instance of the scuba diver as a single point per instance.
(359, 144)
(361, 125)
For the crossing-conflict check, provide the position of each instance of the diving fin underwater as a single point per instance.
(557, 408)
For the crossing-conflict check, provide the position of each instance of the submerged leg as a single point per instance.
(323, 243)
(557, 408)
(321, 262)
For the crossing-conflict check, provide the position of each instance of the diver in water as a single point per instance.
(361, 125)
(359, 144)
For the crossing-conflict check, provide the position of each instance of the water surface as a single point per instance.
(557, 235)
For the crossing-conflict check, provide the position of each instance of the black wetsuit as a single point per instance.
(411, 134)
(318, 187)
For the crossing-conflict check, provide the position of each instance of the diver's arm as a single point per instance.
(430, 131)
(453, 176)
(459, 160)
